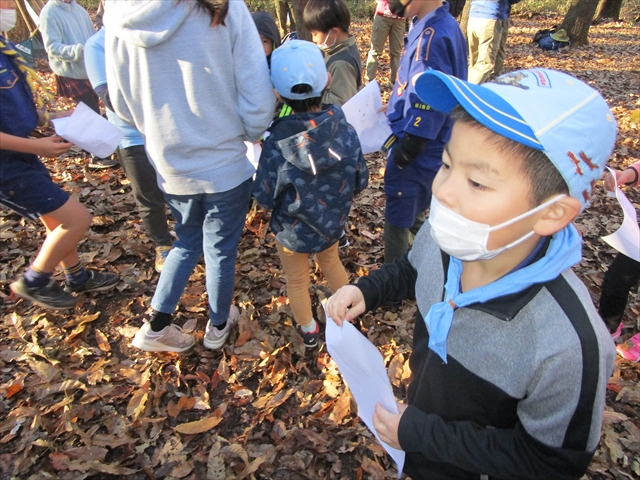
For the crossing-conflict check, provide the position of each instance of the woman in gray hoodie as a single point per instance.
(193, 78)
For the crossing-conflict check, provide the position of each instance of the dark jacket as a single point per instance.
(522, 393)
(310, 168)
(344, 65)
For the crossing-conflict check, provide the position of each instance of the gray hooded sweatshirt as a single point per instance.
(194, 91)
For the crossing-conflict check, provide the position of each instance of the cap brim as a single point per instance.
(444, 92)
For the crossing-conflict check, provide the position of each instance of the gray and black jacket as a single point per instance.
(522, 393)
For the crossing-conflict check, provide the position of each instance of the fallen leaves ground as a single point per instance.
(77, 401)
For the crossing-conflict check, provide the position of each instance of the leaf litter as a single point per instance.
(77, 401)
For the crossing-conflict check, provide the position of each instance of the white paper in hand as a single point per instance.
(362, 367)
(627, 238)
(362, 113)
(89, 131)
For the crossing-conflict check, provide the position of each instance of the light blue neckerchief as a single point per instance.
(565, 250)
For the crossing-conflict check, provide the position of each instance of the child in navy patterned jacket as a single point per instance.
(310, 168)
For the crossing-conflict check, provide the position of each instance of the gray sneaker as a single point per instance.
(97, 282)
(169, 339)
(215, 338)
(51, 295)
(98, 163)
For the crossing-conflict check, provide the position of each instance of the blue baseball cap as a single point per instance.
(297, 62)
(543, 109)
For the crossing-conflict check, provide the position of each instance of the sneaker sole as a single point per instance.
(98, 167)
(154, 346)
(214, 344)
(39, 303)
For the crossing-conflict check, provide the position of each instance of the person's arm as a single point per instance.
(256, 99)
(393, 281)
(629, 177)
(264, 185)
(343, 83)
(49, 147)
(52, 36)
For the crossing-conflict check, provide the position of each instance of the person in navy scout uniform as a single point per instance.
(435, 41)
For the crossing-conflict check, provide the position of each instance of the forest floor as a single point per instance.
(78, 401)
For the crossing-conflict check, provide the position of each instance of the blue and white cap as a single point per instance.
(297, 62)
(543, 109)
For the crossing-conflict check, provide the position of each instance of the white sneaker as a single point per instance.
(215, 338)
(169, 339)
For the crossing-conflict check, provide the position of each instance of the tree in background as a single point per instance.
(298, 12)
(578, 20)
(609, 9)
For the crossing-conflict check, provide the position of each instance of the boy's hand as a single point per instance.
(626, 176)
(346, 304)
(50, 147)
(386, 424)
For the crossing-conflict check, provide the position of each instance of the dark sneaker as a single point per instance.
(97, 282)
(344, 241)
(310, 338)
(97, 162)
(51, 295)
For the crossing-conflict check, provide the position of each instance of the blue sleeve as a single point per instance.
(264, 185)
(94, 60)
(436, 52)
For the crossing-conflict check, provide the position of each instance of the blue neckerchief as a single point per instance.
(563, 252)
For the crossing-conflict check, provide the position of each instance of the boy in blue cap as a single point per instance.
(434, 41)
(309, 171)
(510, 360)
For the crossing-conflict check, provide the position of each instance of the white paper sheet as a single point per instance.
(253, 153)
(362, 367)
(362, 112)
(627, 238)
(89, 131)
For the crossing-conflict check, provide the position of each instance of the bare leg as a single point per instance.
(65, 227)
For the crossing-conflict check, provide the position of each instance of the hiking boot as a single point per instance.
(214, 338)
(310, 338)
(169, 339)
(97, 162)
(51, 295)
(344, 241)
(162, 252)
(97, 282)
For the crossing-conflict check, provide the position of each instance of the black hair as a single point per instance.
(216, 9)
(323, 15)
(544, 177)
(306, 105)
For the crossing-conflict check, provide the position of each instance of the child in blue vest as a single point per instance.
(309, 171)
(26, 187)
(510, 359)
(419, 132)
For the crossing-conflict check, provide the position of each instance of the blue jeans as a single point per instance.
(209, 223)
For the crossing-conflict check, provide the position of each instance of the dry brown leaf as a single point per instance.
(199, 426)
(102, 341)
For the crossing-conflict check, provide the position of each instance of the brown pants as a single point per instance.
(296, 268)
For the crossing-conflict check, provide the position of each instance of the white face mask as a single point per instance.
(7, 19)
(323, 46)
(467, 240)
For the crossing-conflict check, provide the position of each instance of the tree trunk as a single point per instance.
(609, 9)
(23, 28)
(464, 18)
(578, 20)
(298, 12)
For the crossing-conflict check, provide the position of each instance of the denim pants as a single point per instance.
(148, 196)
(209, 223)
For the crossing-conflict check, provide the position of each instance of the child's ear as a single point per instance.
(557, 216)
